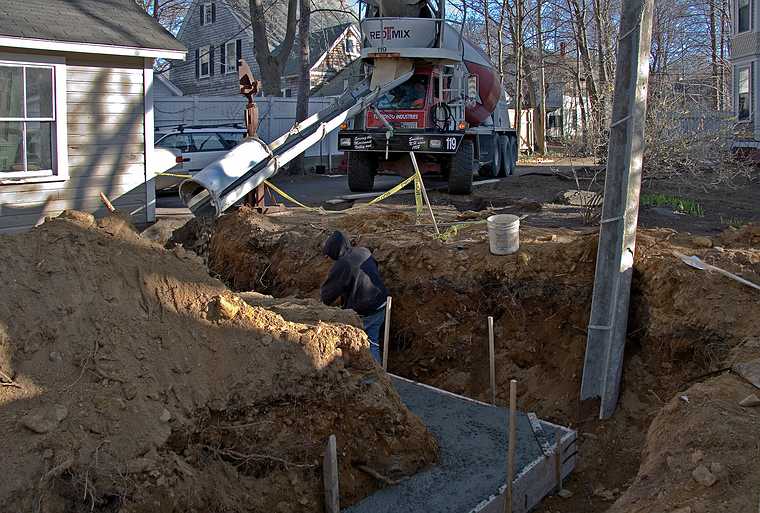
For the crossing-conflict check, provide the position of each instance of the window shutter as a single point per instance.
(238, 52)
(211, 60)
(202, 15)
(197, 63)
(222, 59)
(213, 13)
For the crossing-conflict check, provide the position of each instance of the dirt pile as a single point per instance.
(685, 324)
(133, 381)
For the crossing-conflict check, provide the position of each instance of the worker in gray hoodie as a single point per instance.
(355, 279)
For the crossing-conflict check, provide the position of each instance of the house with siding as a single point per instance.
(76, 107)
(218, 34)
(745, 56)
(331, 50)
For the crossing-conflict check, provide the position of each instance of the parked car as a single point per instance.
(197, 147)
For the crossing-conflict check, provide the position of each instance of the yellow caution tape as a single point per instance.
(418, 194)
(393, 191)
(288, 197)
(453, 230)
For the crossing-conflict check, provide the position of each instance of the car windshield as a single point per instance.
(409, 95)
(201, 141)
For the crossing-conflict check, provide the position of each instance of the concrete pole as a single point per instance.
(617, 235)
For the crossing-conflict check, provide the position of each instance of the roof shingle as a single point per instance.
(104, 22)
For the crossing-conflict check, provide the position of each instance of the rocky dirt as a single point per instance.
(132, 381)
(686, 329)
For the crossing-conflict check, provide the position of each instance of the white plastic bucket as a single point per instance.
(503, 234)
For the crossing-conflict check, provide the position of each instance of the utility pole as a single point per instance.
(608, 324)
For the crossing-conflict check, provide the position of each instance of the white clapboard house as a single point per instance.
(76, 107)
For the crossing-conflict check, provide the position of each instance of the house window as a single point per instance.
(205, 61)
(208, 13)
(744, 94)
(230, 50)
(287, 93)
(27, 120)
(349, 45)
(744, 13)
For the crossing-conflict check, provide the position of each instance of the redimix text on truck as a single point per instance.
(452, 111)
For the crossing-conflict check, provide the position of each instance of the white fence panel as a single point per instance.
(276, 116)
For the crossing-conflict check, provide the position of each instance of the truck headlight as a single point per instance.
(345, 141)
(435, 144)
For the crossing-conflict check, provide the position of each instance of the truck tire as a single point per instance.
(492, 168)
(362, 168)
(509, 155)
(460, 169)
(504, 168)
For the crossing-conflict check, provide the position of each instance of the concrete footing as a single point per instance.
(471, 474)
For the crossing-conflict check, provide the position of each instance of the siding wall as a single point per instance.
(195, 36)
(105, 145)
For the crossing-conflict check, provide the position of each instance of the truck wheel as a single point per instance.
(362, 168)
(508, 155)
(492, 169)
(460, 169)
(505, 168)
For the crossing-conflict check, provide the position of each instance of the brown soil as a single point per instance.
(134, 382)
(683, 325)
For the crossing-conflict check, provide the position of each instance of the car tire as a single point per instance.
(460, 169)
(362, 168)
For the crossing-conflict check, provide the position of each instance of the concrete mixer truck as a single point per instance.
(452, 112)
(428, 91)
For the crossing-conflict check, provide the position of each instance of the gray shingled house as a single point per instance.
(745, 56)
(76, 107)
(218, 33)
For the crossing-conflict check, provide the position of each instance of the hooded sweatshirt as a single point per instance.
(354, 276)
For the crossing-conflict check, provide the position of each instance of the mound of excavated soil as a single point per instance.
(684, 323)
(134, 382)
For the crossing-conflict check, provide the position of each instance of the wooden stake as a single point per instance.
(558, 460)
(386, 339)
(107, 203)
(424, 191)
(492, 362)
(330, 476)
(512, 441)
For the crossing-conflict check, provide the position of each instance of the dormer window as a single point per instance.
(743, 16)
(208, 13)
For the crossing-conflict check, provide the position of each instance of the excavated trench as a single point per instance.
(682, 326)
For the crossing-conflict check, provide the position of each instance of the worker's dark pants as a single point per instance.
(372, 324)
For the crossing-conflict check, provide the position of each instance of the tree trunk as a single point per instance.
(714, 55)
(540, 121)
(304, 79)
(270, 66)
(601, 12)
(487, 23)
(581, 41)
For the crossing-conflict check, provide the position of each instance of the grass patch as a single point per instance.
(683, 205)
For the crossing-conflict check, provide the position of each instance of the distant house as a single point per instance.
(218, 34)
(345, 79)
(745, 56)
(76, 107)
(163, 87)
(331, 50)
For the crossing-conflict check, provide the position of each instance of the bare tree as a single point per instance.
(272, 63)
(304, 79)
